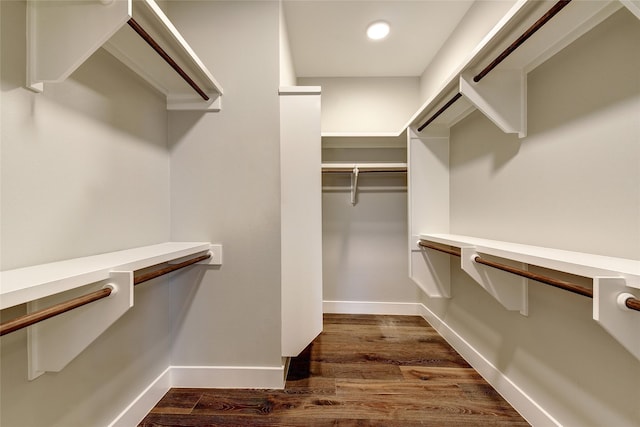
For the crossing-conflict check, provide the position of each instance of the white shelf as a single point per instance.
(300, 90)
(61, 35)
(364, 139)
(578, 263)
(361, 134)
(32, 283)
(614, 280)
(487, 95)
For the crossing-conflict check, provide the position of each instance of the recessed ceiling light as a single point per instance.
(378, 30)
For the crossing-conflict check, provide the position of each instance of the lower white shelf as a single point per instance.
(57, 340)
(578, 263)
(32, 283)
(616, 281)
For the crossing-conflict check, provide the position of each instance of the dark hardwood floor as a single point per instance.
(362, 370)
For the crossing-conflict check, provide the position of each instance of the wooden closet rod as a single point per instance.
(49, 312)
(151, 42)
(631, 303)
(429, 245)
(141, 278)
(440, 111)
(505, 53)
(361, 171)
(528, 33)
(561, 284)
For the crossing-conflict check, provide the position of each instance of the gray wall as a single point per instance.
(85, 170)
(481, 17)
(573, 183)
(366, 104)
(225, 188)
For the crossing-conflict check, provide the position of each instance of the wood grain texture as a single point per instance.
(363, 370)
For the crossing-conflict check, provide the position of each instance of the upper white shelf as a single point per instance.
(578, 263)
(505, 102)
(364, 140)
(32, 283)
(61, 35)
(360, 134)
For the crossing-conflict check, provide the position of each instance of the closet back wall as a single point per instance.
(366, 104)
(85, 170)
(363, 256)
(364, 245)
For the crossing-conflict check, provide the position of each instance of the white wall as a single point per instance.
(481, 17)
(573, 183)
(225, 188)
(85, 170)
(371, 104)
(287, 69)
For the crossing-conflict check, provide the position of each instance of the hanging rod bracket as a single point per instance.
(619, 321)
(429, 269)
(509, 290)
(354, 185)
(52, 344)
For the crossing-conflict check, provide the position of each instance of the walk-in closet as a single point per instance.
(249, 213)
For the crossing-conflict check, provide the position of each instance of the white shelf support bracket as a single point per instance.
(633, 6)
(430, 270)
(55, 342)
(609, 310)
(354, 185)
(501, 96)
(509, 290)
(216, 256)
(62, 35)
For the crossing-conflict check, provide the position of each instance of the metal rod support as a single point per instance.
(151, 42)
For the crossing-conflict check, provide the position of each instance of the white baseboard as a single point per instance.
(227, 377)
(370, 307)
(198, 377)
(513, 394)
(141, 405)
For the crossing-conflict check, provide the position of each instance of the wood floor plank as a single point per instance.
(448, 409)
(360, 388)
(441, 374)
(177, 401)
(363, 370)
(229, 421)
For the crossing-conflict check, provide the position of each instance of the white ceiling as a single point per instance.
(328, 39)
